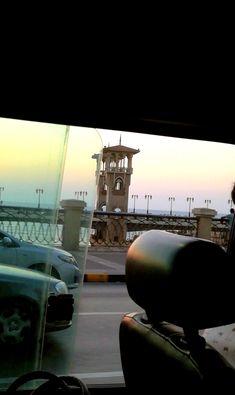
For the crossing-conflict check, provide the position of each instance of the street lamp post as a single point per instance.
(81, 193)
(148, 197)
(207, 201)
(134, 197)
(171, 199)
(190, 200)
(39, 191)
(1, 190)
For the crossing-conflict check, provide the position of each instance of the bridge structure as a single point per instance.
(100, 228)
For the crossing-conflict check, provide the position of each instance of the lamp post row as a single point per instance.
(148, 197)
(40, 191)
(80, 193)
(190, 200)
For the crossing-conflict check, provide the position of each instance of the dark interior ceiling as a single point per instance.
(179, 84)
(213, 124)
(178, 105)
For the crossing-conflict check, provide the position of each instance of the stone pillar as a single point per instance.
(73, 209)
(204, 216)
(107, 163)
(129, 165)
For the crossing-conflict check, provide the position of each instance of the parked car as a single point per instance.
(26, 298)
(57, 262)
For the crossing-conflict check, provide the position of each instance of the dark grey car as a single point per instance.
(31, 303)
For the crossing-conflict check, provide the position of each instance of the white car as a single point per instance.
(54, 261)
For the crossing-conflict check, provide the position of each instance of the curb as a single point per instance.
(104, 277)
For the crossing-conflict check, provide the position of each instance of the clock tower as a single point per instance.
(115, 178)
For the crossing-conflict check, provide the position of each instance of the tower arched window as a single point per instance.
(118, 184)
(112, 164)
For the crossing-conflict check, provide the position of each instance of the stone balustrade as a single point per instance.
(75, 226)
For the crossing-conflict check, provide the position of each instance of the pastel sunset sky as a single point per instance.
(180, 168)
(59, 160)
(53, 158)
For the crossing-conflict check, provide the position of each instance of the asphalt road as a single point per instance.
(90, 348)
(101, 261)
(112, 262)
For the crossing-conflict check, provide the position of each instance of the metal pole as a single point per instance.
(172, 199)
(134, 197)
(81, 193)
(148, 197)
(207, 202)
(1, 190)
(190, 200)
(39, 191)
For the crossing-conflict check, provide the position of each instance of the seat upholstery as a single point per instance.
(175, 279)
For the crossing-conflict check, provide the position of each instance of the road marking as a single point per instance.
(105, 262)
(98, 374)
(104, 313)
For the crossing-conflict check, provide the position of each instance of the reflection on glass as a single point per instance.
(44, 229)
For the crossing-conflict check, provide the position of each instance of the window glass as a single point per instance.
(171, 183)
(47, 195)
(52, 179)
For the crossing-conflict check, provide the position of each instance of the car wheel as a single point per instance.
(16, 322)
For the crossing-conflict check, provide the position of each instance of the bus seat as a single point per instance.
(184, 285)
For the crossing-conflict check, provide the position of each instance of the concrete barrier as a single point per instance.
(104, 277)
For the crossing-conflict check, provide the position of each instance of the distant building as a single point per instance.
(115, 178)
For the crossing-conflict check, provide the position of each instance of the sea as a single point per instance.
(167, 212)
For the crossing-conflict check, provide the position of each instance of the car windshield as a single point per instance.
(72, 202)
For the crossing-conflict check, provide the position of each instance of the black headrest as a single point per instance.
(183, 280)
